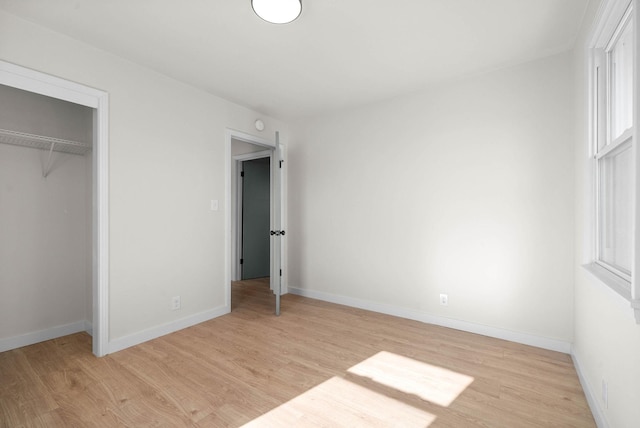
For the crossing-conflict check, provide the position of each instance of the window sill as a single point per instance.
(617, 284)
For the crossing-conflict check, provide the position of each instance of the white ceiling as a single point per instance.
(338, 54)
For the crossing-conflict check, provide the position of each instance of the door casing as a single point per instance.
(231, 259)
(55, 87)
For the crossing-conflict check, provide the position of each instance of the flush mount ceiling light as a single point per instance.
(277, 11)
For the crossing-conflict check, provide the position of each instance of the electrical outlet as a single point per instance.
(444, 300)
(605, 394)
(175, 303)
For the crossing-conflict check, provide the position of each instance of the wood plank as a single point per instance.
(251, 367)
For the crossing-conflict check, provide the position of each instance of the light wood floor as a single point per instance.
(318, 364)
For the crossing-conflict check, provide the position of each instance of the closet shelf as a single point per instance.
(44, 143)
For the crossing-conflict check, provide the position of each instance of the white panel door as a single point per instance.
(277, 234)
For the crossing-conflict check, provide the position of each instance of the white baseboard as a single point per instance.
(592, 398)
(88, 327)
(40, 336)
(161, 330)
(499, 333)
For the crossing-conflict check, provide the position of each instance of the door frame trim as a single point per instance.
(44, 84)
(233, 134)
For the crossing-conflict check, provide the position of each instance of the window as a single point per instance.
(613, 141)
(613, 150)
(614, 210)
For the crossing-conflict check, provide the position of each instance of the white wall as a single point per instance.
(43, 225)
(23, 111)
(464, 189)
(606, 339)
(166, 142)
(241, 148)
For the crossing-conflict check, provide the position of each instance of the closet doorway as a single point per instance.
(53, 209)
(45, 221)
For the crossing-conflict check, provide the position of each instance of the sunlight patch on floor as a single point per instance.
(339, 402)
(431, 383)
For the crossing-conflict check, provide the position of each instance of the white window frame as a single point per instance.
(611, 15)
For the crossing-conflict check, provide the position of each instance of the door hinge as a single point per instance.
(280, 272)
(241, 173)
(241, 261)
(281, 163)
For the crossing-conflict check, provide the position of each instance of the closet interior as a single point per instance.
(46, 185)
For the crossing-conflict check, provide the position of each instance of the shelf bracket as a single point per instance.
(47, 168)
